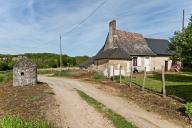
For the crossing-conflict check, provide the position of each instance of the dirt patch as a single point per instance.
(28, 102)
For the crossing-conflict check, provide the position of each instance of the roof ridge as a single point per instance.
(128, 32)
(155, 38)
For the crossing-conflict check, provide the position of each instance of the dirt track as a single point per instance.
(76, 113)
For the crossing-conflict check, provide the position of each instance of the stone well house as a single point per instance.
(24, 73)
(125, 50)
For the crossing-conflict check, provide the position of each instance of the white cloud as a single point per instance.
(24, 25)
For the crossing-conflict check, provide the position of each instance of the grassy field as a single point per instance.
(116, 119)
(17, 122)
(179, 84)
(5, 77)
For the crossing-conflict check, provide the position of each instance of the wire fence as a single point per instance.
(176, 85)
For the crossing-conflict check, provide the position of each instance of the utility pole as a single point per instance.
(60, 55)
(183, 20)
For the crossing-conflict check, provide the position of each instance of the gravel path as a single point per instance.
(79, 114)
(75, 112)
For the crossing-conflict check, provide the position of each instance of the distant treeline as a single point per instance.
(43, 60)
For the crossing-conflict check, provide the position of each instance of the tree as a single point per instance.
(181, 43)
(4, 66)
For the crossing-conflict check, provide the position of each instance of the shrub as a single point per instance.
(98, 77)
(117, 78)
(4, 66)
(188, 109)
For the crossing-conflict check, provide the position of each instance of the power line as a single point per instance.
(76, 26)
(183, 20)
(86, 18)
(60, 55)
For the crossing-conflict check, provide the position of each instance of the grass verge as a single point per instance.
(116, 119)
(17, 122)
(5, 77)
(45, 71)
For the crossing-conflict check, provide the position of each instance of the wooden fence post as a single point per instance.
(108, 71)
(143, 86)
(163, 82)
(113, 73)
(131, 76)
(120, 75)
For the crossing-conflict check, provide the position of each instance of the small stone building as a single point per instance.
(24, 73)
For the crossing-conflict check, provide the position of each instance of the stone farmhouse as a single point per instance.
(125, 50)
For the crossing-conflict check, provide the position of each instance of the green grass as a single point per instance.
(98, 77)
(64, 73)
(17, 122)
(116, 119)
(5, 77)
(179, 84)
(36, 98)
(45, 71)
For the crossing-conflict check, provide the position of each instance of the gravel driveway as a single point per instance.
(76, 113)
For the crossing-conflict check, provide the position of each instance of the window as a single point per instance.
(22, 73)
(134, 61)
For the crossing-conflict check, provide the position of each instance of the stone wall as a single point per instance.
(22, 77)
(24, 73)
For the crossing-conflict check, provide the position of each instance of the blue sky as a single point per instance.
(35, 25)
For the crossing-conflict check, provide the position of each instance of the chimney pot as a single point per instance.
(112, 27)
(112, 33)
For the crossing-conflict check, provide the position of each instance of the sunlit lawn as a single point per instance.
(178, 84)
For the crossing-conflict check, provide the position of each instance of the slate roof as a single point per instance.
(115, 53)
(87, 63)
(159, 46)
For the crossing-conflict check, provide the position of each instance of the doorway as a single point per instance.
(166, 66)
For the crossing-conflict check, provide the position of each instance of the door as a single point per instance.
(166, 66)
(147, 63)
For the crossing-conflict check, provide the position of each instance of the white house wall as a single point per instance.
(110, 67)
(158, 62)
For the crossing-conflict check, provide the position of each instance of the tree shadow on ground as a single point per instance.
(173, 77)
(182, 91)
(177, 84)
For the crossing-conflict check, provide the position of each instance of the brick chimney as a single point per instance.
(112, 32)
